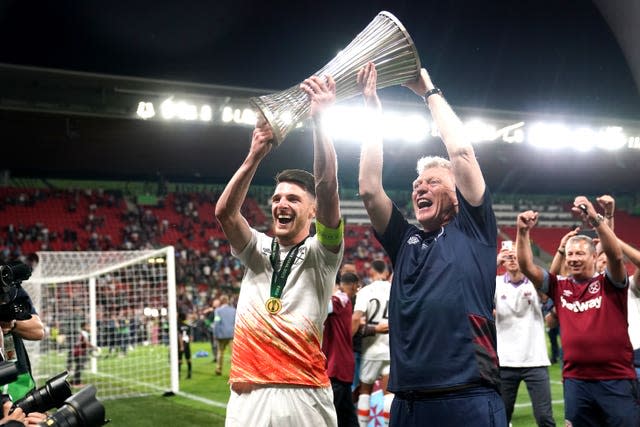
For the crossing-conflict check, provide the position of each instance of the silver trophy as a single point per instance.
(385, 42)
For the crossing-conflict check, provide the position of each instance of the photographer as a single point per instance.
(19, 321)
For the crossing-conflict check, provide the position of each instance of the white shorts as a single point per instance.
(370, 370)
(282, 406)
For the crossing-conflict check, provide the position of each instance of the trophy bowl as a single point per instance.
(385, 42)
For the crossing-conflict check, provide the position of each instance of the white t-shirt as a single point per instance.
(633, 313)
(373, 301)
(519, 325)
(283, 348)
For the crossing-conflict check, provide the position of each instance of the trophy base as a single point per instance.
(265, 116)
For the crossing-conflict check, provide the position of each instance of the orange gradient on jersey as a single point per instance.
(277, 349)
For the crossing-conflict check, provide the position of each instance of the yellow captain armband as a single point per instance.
(330, 236)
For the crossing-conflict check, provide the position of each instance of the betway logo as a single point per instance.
(581, 306)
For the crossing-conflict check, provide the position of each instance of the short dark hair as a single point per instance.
(300, 177)
(379, 266)
(349, 277)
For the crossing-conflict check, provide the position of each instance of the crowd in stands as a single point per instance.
(97, 220)
(107, 220)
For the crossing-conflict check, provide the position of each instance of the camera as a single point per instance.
(51, 395)
(11, 276)
(80, 410)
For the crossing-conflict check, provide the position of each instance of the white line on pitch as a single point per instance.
(201, 399)
(523, 405)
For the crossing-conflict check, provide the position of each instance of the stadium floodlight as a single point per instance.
(167, 109)
(170, 109)
(206, 113)
(227, 114)
(349, 123)
(511, 134)
(549, 136)
(404, 127)
(242, 117)
(145, 110)
(580, 138)
(187, 111)
(612, 138)
(130, 304)
(584, 139)
(345, 123)
(477, 130)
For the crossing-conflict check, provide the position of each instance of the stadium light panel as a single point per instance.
(612, 138)
(584, 139)
(345, 123)
(350, 122)
(409, 128)
(550, 136)
(518, 136)
(227, 114)
(353, 124)
(186, 111)
(167, 109)
(206, 114)
(145, 110)
(248, 117)
(478, 130)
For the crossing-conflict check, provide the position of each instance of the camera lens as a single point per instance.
(51, 395)
(80, 410)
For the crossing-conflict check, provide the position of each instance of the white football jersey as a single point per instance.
(373, 300)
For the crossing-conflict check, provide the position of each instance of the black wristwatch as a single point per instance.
(433, 91)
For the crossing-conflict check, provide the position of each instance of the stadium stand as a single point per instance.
(94, 215)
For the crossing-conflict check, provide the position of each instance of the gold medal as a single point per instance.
(273, 305)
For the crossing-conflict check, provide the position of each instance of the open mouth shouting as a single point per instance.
(284, 219)
(423, 202)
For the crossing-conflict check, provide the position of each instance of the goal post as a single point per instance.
(127, 302)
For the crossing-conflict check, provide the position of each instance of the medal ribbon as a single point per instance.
(279, 278)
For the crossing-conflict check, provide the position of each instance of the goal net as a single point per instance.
(126, 303)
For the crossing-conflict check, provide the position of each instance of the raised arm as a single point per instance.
(375, 199)
(558, 258)
(525, 222)
(634, 256)
(608, 204)
(466, 169)
(234, 225)
(322, 94)
(608, 239)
